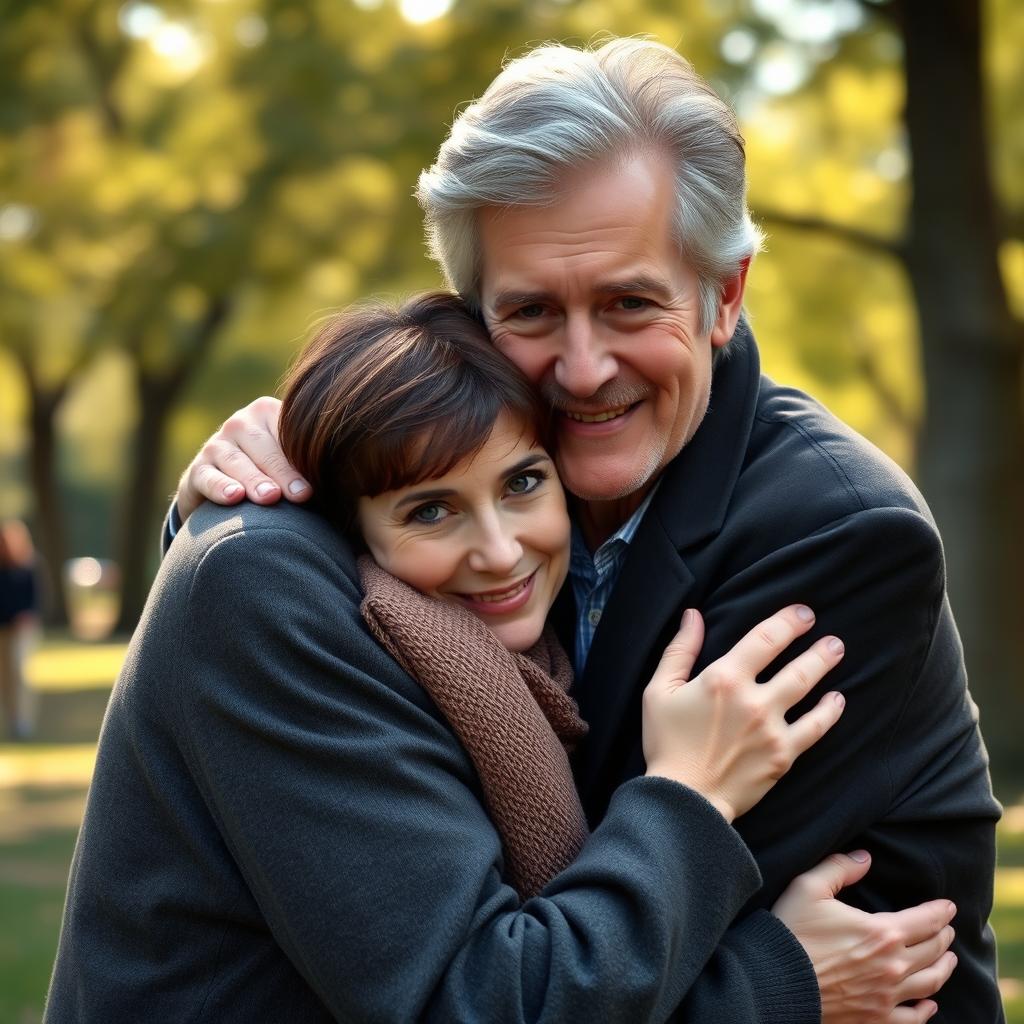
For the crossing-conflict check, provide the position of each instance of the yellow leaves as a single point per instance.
(344, 208)
(858, 96)
(188, 302)
(31, 273)
(333, 281)
(1011, 262)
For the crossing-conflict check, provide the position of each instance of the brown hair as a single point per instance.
(388, 396)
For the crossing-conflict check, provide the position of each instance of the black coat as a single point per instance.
(775, 501)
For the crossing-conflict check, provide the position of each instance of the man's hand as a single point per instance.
(243, 459)
(868, 964)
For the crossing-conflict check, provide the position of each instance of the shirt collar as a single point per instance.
(583, 562)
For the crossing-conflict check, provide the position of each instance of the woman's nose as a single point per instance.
(496, 549)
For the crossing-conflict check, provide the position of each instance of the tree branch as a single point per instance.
(895, 248)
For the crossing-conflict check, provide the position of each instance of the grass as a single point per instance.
(42, 795)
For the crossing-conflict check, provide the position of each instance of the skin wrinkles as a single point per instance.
(591, 299)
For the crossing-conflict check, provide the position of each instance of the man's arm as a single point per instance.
(904, 774)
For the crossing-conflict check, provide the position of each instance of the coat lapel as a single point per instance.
(656, 583)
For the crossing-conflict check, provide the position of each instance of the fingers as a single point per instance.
(682, 652)
(810, 727)
(223, 463)
(917, 1014)
(768, 639)
(835, 873)
(249, 452)
(929, 980)
(920, 923)
(216, 486)
(795, 680)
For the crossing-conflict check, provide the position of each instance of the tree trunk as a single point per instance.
(971, 455)
(158, 395)
(139, 520)
(51, 533)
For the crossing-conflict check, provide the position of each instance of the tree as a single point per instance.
(970, 443)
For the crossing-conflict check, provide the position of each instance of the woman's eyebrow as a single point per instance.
(418, 496)
(526, 463)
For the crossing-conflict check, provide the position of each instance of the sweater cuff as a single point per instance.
(781, 973)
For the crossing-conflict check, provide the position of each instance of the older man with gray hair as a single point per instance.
(591, 205)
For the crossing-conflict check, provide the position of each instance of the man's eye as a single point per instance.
(631, 302)
(525, 482)
(530, 312)
(429, 514)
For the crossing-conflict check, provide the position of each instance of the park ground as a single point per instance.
(42, 794)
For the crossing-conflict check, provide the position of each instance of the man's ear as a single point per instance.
(730, 304)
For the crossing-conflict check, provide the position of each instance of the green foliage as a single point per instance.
(157, 158)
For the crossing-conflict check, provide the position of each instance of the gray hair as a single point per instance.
(559, 108)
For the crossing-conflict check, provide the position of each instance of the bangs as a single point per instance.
(415, 452)
(385, 397)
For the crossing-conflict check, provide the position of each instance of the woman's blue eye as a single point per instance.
(429, 514)
(524, 483)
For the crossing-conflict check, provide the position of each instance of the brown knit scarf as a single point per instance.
(511, 711)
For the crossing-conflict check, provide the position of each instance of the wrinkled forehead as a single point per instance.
(606, 217)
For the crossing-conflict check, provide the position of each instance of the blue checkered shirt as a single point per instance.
(594, 575)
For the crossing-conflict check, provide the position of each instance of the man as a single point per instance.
(592, 206)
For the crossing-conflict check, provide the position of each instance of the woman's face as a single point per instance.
(491, 535)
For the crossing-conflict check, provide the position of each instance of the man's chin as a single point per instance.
(605, 483)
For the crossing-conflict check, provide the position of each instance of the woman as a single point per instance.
(430, 449)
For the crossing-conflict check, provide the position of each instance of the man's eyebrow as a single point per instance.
(514, 298)
(643, 283)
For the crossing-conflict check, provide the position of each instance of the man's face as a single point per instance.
(589, 296)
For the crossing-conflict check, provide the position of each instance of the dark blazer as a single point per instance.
(775, 501)
(283, 828)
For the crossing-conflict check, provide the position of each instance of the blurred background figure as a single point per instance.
(18, 625)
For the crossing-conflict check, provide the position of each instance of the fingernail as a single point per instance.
(951, 911)
(839, 699)
(265, 488)
(232, 490)
(804, 613)
(688, 617)
(836, 646)
(860, 856)
(297, 486)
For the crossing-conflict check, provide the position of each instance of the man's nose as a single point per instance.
(496, 549)
(583, 363)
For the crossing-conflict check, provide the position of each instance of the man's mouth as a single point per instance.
(597, 417)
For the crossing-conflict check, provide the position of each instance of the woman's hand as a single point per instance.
(722, 733)
(867, 964)
(242, 460)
